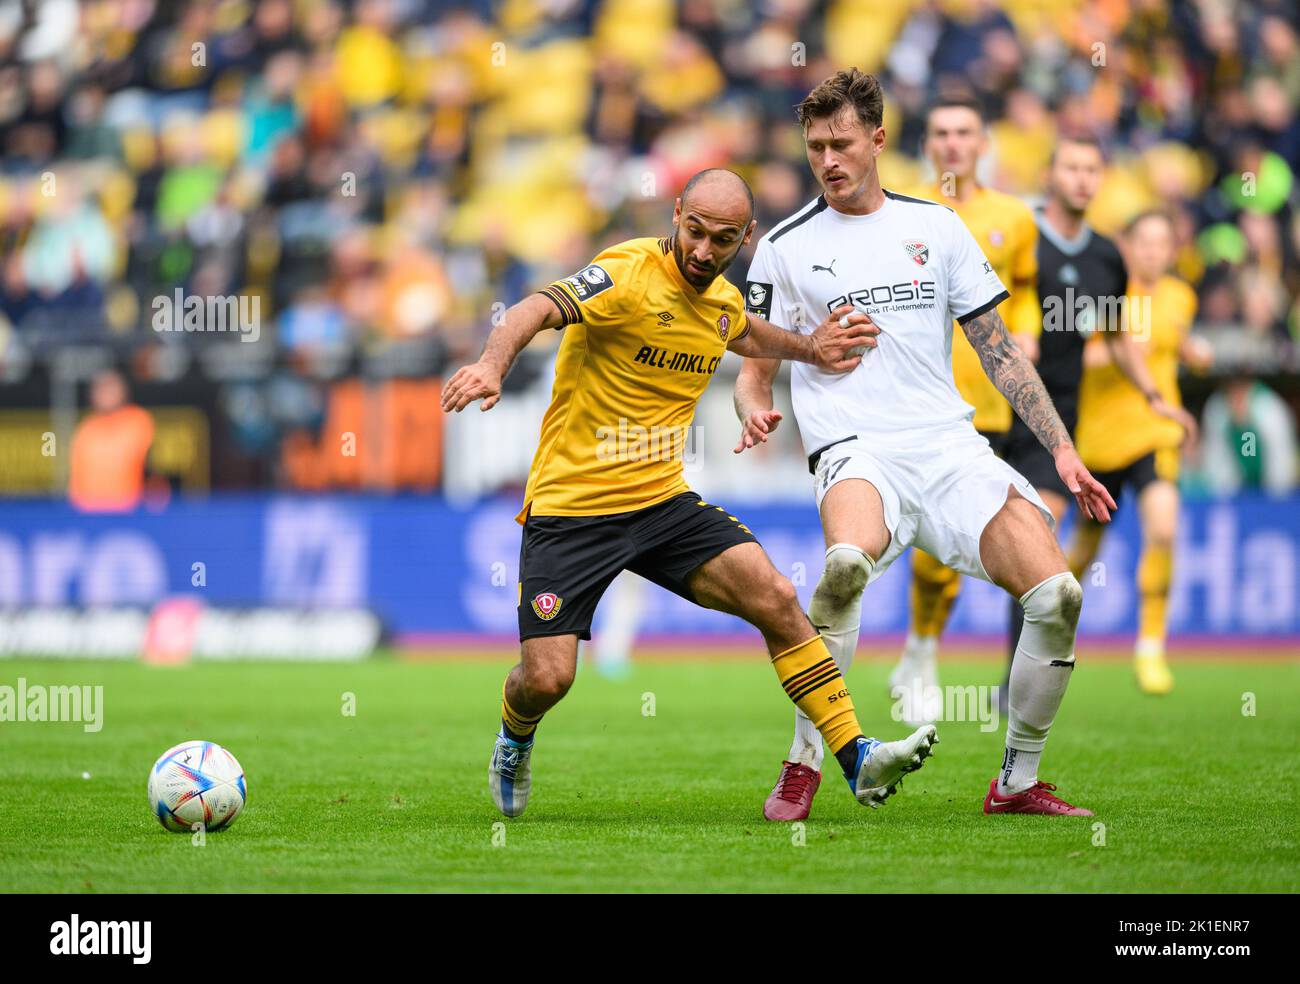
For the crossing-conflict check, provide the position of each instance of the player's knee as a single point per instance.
(846, 574)
(781, 596)
(1055, 604)
(548, 684)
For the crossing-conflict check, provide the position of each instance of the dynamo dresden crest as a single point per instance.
(917, 250)
(724, 326)
(547, 605)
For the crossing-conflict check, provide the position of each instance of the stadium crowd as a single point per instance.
(385, 176)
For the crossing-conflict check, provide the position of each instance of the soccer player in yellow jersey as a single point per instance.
(1003, 225)
(1126, 444)
(646, 324)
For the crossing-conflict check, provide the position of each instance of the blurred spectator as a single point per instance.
(1250, 440)
(387, 174)
(109, 449)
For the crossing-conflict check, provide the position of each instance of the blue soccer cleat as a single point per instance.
(510, 776)
(881, 765)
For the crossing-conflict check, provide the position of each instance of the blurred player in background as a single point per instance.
(621, 615)
(955, 140)
(895, 457)
(110, 449)
(1082, 285)
(1131, 448)
(648, 322)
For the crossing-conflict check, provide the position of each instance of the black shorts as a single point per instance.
(1026, 454)
(1136, 476)
(567, 562)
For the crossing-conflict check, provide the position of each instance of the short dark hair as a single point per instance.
(1078, 137)
(955, 102)
(847, 87)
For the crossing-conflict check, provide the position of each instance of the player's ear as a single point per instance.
(749, 231)
(677, 211)
(878, 141)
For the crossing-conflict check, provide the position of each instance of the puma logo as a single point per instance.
(829, 269)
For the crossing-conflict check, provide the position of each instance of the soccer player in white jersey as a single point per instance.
(895, 456)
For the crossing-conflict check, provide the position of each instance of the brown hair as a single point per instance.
(848, 87)
(1151, 213)
(955, 102)
(1078, 137)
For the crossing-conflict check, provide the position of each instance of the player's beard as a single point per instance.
(690, 278)
(1068, 206)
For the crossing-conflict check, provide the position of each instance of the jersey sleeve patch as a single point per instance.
(758, 299)
(588, 282)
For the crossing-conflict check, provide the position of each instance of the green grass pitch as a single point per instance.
(1194, 795)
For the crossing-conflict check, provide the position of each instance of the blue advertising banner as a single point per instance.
(427, 567)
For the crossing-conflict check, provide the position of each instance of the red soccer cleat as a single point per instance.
(793, 793)
(1037, 798)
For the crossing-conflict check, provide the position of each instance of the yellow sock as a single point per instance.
(813, 681)
(934, 589)
(1154, 572)
(516, 724)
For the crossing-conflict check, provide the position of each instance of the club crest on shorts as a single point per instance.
(547, 605)
(724, 325)
(917, 250)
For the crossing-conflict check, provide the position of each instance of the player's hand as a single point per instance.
(834, 342)
(1091, 495)
(755, 428)
(479, 381)
(1179, 416)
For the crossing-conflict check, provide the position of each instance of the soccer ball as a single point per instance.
(857, 349)
(196, 782)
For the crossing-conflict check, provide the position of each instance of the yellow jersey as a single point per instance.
(640, 346)
(1116, 426)
(1004, 227)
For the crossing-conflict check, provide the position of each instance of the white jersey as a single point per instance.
(914, 267)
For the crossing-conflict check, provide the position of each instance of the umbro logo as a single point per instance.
(829, 269)
(665, 317)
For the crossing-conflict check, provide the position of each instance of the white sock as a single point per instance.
(1019, 771)
(1151, 647)
(915, 681)
(919, 654)
(836, 612)
(1040, 672)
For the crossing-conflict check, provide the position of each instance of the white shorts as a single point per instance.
(938, 493)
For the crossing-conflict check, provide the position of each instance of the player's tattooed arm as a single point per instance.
(1017, 379)
(482, 380)
(1013, 374)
